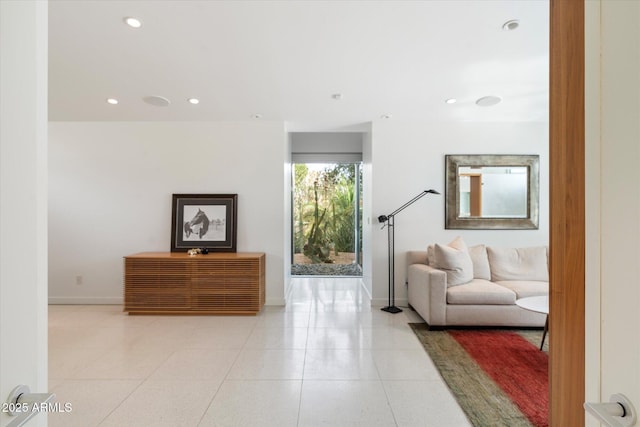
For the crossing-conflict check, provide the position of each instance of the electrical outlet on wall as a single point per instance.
(79, 280)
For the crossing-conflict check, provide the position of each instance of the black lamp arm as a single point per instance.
(385, 218)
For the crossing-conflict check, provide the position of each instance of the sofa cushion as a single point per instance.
(518, 263)
(526, 288)
(454, 260)
(480, 262)
(480, 291)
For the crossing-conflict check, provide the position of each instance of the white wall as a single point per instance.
(23, 199)
(613, 198)
(111, 186)
(367, 212)
(592, 207)
(408, 158)
(288, 217)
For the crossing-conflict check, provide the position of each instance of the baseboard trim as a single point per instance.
(86, 300)
(120, 301)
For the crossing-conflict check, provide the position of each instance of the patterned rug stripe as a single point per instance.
(481, 398)
(519, 368)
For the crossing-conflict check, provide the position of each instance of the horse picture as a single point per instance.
(199, 225)
(204, 221)
(207, 223)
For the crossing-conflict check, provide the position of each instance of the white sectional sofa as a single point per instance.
(452, 285)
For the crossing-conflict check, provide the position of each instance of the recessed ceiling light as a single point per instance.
(256, 116)
(451, 101)
(112, 101)
(194, 101)
(488, 101)
(386, 116)
(511, 25)
(158, 101)
(132, 22)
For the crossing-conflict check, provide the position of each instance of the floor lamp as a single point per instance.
(387, 220)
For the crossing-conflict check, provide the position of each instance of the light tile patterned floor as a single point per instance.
(326, 359)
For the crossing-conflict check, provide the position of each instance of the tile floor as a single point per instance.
(326, 359)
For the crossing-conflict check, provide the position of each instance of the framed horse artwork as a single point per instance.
(205, 221)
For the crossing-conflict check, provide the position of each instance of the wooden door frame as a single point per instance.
(475, 194)
(566, 213)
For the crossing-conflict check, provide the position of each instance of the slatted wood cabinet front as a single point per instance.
(216, 283)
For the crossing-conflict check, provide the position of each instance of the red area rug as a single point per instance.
(499, 377)
(516, 366)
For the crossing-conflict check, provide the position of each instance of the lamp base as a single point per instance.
(391, 309)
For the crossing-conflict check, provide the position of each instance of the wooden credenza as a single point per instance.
(172, 282)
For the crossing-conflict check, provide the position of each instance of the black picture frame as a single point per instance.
(204, 221)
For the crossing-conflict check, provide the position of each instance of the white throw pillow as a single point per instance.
(480, 260)
(518, 263)
(454, 259)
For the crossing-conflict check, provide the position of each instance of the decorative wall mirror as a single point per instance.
(492, 192)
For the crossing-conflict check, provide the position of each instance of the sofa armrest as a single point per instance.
(427, 293)
(417, 257)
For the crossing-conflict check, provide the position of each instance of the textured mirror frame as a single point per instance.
(453, 220)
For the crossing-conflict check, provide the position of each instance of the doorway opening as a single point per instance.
(327, 219)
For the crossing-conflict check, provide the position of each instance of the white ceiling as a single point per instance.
(284, 60)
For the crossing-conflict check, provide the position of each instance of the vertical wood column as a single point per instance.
(567, 214)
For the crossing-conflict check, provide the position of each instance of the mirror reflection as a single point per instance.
(491, 191)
